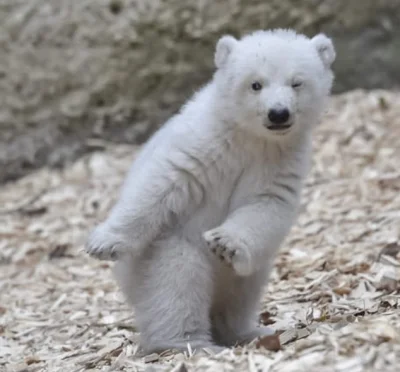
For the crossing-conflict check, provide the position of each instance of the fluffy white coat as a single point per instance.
(212, 195)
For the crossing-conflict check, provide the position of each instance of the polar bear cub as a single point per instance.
(215, 191)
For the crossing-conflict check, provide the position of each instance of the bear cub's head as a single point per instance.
(274, 83)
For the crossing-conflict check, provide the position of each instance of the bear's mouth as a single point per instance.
(279, 127)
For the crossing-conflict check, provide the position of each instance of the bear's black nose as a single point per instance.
(278, 116)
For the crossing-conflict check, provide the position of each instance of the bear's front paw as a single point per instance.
(231, 251)
(104, 244)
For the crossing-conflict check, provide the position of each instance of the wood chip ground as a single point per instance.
(333, 295)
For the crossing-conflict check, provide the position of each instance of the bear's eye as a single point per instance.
(297, 84)
(256, 86)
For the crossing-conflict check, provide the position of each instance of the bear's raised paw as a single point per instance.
(230, 251)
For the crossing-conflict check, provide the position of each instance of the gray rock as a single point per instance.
(115, 69)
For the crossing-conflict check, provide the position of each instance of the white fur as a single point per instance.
(213, 194)
(224, 48)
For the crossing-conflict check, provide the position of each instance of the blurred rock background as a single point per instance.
(75, 74)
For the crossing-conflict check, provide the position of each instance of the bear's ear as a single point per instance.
(224, 47)
(325, 49)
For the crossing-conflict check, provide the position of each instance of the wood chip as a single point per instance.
(269, 342)
(59, 251)
(392, 249)
(265, 318)
(302, 333)
(151, 358)
(32, 360)
(288, 336)
(180, 368)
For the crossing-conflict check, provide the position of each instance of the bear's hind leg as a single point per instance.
(235, 317)
(171, 288)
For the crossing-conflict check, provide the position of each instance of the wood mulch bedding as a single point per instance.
(333, 295)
